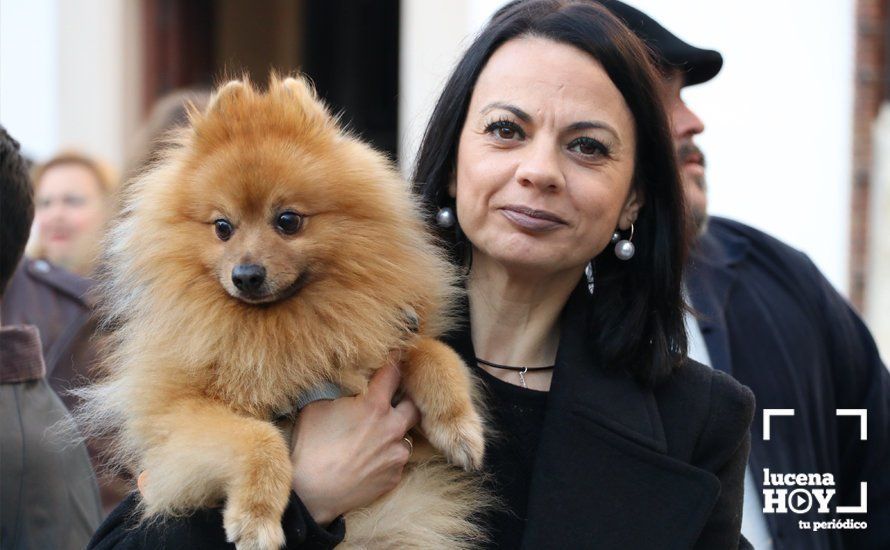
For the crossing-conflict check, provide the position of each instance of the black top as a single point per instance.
(619, 465)
(516, 416)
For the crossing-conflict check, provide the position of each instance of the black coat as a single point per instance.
(625, 467)
(619, 466)
(771, 320)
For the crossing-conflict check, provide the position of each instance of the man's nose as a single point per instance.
(540, 166)
(685, 122)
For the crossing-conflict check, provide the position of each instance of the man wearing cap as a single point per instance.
(766, 315)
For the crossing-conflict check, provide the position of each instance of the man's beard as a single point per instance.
(688, 151)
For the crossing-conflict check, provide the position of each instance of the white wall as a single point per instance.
(69, 75)
(433, 36)
(28, 80)
(778, 117)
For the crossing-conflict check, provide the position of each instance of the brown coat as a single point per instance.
(60, 305)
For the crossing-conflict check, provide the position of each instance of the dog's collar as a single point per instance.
(326, 391)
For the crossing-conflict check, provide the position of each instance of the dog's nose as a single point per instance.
(249, 277)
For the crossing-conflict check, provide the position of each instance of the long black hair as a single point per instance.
(636, 312)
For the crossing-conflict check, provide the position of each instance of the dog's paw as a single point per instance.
(250, 532)
(461, 439)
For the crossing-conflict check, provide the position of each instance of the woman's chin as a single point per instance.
(542, 264)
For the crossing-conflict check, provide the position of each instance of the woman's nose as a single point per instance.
(58, 210)
(540, 167)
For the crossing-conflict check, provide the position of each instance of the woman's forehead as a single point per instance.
(538, 74)
(67, 177)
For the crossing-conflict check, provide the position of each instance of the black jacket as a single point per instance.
(771, 320)
(619, 466)
(203, 530)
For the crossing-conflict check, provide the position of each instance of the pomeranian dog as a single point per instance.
(267, 253)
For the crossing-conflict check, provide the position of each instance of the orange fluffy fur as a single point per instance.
(195, 375)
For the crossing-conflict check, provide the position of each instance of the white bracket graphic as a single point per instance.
(768, 414)
(863, 502)
(863, 420)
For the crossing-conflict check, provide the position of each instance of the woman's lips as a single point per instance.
(531, 219)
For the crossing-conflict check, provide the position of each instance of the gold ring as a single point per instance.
(407, 439)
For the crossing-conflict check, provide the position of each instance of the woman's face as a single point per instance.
(69, 212)
(545, 159)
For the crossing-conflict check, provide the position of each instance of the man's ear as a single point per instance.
(631, 209)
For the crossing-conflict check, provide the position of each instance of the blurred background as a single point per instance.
(797, 125)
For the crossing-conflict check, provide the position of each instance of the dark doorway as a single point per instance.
(349, 48)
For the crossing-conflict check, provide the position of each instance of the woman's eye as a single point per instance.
(589, 147)
(74, 200)
(289, 222)
(224, 229)
(505, 129)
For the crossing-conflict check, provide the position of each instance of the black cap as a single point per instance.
(699, 65)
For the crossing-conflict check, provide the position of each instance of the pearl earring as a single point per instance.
(625, 249)
(445, 217)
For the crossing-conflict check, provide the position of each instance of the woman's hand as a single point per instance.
(349, 451)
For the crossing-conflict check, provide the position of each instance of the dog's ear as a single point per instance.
(300, 91)
(227, 94)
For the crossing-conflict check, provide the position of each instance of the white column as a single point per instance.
(29, 63)
(877, 298)
(433, 36)
(98, 76)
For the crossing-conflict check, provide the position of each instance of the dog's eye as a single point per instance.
(224, 229)
(289, 222)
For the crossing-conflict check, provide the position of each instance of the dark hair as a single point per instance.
(16, 206)
(636, 312)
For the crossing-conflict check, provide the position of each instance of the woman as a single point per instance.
(547, 140)
(71, 197)
(560, 141)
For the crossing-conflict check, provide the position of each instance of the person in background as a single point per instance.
(76, 191)
(767, 316)
(58, 302)
(72, 199)
(169, 113)
(48, 494)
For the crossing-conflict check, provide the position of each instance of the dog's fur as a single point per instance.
(197, 369)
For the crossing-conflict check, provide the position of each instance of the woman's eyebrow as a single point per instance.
(592, 125)
(520, 114)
